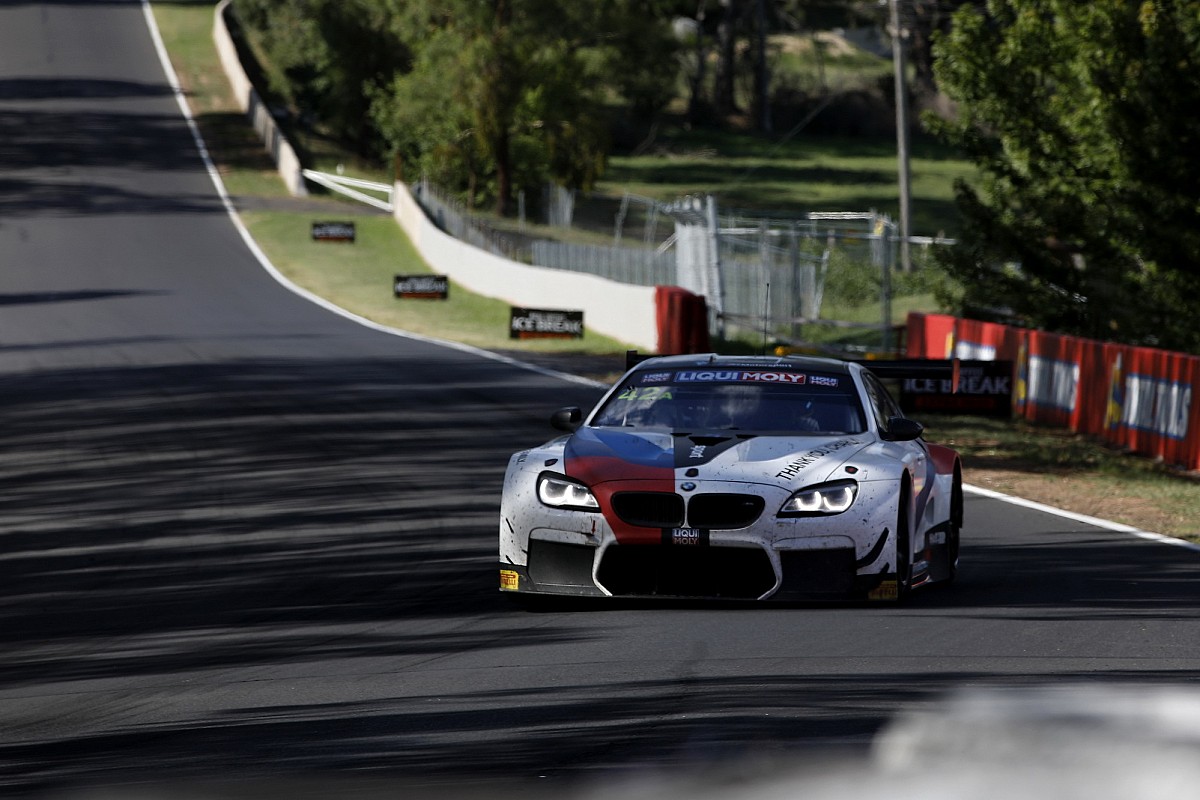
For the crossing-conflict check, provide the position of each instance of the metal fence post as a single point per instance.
(797, 294)
(716, 296)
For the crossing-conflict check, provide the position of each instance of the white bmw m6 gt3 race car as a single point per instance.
(733, 478)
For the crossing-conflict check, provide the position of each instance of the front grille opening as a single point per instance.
(556, 565)
(734, 573)
(649, 509)
(817, 574)
(724, 511)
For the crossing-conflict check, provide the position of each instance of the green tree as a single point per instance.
(325, 56)
(1082, 120)
(507, 94)
(922, 20)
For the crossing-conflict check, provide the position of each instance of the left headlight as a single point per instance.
(557, 491)
(821, 500)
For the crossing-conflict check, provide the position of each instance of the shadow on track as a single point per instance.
(193, 516)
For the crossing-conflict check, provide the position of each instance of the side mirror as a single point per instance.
(566, 419)
(902, 429)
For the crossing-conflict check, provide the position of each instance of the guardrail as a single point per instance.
(350, 186)
(251, 104)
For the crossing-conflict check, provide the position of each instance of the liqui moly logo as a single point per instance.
(750, 376)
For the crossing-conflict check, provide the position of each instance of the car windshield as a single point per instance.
(776, 400)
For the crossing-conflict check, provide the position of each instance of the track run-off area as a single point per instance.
(248, 541)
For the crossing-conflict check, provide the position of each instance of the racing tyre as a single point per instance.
(903, 547)
(955, 528)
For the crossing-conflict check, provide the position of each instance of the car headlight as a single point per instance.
(557, 491)
(821, 500)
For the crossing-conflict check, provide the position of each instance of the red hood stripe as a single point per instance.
(601, 465)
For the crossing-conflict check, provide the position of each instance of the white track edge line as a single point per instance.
(1084, 518)
(265, 262)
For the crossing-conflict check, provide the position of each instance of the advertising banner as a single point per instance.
(1051, 379)
(982, 341)
(539, 323)
(1150, 404)
(983, 388)
(333, 232)
(423, 287)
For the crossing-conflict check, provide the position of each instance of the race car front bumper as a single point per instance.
(821, 570)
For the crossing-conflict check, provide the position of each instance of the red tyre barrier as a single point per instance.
(682, 319)
(1052, 370)
(930, 336)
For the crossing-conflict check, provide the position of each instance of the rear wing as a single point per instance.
(899, 369)
(891, 369)
(933, 385)
(950, 385)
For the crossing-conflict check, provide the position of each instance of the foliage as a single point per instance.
(491, 97)
(852, 281)
(855, 282)
(324, 56)
(928, 277)
(1081, 119)
(513, 95)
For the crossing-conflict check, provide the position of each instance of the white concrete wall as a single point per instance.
(251, 104)
(619, 310)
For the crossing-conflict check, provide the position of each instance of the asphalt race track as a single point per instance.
(246, 541)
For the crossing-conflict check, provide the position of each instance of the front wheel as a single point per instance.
(903, 548)
(953, 532)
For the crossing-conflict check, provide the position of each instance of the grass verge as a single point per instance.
(813, 173)
(359, 277)
(1072, 472)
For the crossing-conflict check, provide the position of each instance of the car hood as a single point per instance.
(599, 455)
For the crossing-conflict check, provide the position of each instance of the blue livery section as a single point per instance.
(644, 449)
(631, 448)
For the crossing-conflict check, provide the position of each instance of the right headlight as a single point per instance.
(558, 491)
(821, 500)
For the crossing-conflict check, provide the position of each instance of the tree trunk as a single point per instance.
(696, 100)
(762, 76)
(723, 87)
(925, 19)
(503, 173)
(501, 92)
